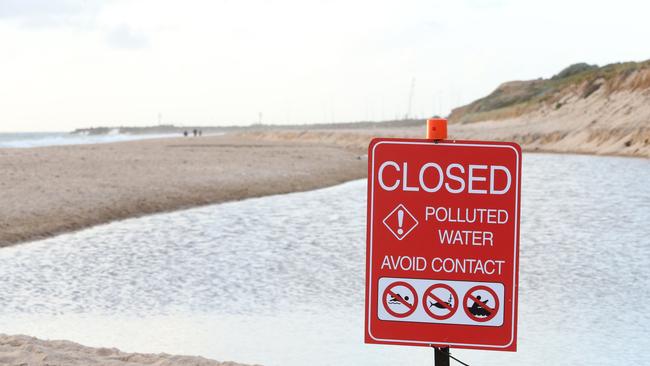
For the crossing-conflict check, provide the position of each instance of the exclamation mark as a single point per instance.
(400, 221)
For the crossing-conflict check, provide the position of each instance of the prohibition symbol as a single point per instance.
(481, 308)
(400, 299)
(440, 301)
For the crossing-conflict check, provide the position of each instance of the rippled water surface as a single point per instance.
(280, 280)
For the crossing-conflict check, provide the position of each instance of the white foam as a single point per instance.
(27, 140)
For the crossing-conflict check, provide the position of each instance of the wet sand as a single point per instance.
(51, 190)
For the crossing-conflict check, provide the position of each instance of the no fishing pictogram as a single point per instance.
(434, 304)
(400, 299)
(479, 308)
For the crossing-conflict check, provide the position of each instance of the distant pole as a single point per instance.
(367, 110)
(411, 92)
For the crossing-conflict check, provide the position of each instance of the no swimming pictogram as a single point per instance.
(400, 299)
(481, 303)
(440, 301)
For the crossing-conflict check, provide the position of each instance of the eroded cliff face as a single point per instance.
(600, 110)
(576, 82)
(583, 109)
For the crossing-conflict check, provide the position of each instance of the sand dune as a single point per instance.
(601, 125)
(582, 109)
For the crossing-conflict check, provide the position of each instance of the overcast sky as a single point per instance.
(69, 64)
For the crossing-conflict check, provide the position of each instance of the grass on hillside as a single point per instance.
(515, 98)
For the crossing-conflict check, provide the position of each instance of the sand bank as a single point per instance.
(23, 350)
(612, 124)
(569, 133)
(52, 190)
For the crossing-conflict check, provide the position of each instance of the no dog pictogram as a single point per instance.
(440, 301)
(400, 299)
(481, 303)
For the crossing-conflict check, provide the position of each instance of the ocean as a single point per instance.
(39, 139)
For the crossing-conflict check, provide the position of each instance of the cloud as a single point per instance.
(50, 13)
(124, 37)
(80, 15)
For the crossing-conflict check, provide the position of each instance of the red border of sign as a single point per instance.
(426, 297)
(415, 299)
(426, 343)
(496, 301)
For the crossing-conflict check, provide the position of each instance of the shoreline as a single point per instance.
(58, 189)
(540, 138)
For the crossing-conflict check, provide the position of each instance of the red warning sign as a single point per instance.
(443, 230)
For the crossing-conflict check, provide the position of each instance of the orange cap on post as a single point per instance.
(436, 128)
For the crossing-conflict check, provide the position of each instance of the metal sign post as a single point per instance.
(437, 131)
(441, 356)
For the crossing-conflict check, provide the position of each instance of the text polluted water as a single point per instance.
(279, 280)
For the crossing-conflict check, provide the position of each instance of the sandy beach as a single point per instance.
(625, 138)
(24, 350)
(53, 190)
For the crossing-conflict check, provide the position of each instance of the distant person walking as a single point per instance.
(185, 133)
(195, 132)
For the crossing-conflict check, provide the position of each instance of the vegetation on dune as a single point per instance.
(515, 98)
(574, 70)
